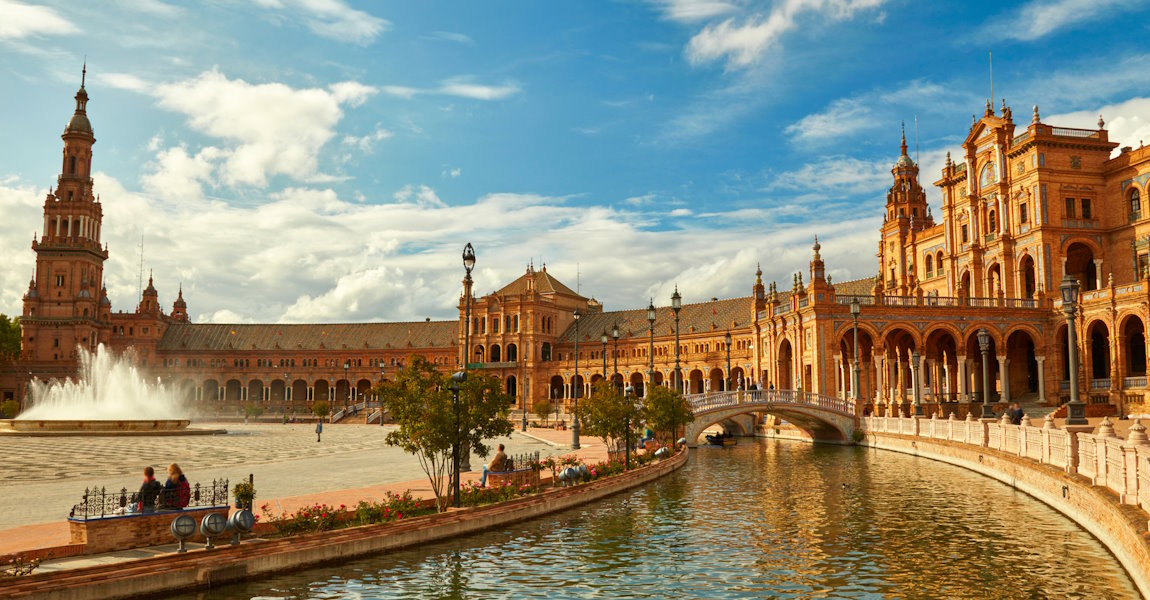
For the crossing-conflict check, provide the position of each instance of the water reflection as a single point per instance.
(770, 519)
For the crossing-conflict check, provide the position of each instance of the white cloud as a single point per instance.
(461, 87)
(332, 19)
(681, 212)
(639, 200)
(24, 20)
(366, 143)
(122, 81)
(307, 255)
(845, 116)
(840, 174)
(450, 36)
(421, 196)
(176, 175)
(271, 128)
(743, 43)
(690, 11)
(452, 173)
(1037, 19)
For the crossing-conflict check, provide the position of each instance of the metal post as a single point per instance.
(651, 348)
(676, 304)
(615, 337)
(455, 379)
(468, 264)
(727, 342)
(578, 385)
(856, 374)
(627, 428)
(1075, 410)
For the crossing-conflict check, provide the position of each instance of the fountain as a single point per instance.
(110, 397)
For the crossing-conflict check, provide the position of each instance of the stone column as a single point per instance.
(1004, 376)
(1098, 274)
(962, 397)
(878, 360)
(1041, 378)
(840, 386)
(945, 386)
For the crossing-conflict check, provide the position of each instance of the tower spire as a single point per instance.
(84, 72)
(903, 145)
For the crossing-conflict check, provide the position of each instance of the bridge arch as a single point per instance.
(823, 418)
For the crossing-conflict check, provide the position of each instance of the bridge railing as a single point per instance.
(713, 400)
(1120, 465)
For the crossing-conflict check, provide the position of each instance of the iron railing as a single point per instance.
(715, 400)
(100, 502)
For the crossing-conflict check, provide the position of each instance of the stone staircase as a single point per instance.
(1033, 407)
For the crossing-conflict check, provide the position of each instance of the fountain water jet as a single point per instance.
(110, 397)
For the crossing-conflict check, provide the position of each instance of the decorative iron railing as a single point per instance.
(715, 400)
(100, 502)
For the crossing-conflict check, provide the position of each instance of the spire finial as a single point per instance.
(84, 72)
(1101, 123)
(817, 247)
(903, 145)
(1035, 119)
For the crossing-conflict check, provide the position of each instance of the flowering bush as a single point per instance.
(318, 517)
(470, 494)
(394, 507)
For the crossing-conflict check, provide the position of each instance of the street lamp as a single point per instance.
(651, 348)
(856, 378)
(346, 366)
(984, 346)
(468, 265)
(603, 338)
(627, 391)
(287, 391)
(578, 385)
(676, 304)
(914, 362)
(615, 337)
(381, 368)
(727, 342)
(456, 378)
(1075, 410)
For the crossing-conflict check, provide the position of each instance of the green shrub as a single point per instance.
(8, 409)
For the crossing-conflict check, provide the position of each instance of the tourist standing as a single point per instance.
(318, 429)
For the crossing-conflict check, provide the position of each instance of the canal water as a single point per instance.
(765, 519)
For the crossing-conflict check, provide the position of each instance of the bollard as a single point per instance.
(212, 526)
(183, 527)
(241, 522)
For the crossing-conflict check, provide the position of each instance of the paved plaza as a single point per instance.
(42, 477)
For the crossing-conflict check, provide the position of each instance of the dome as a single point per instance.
(903, 161)
(104, 301)
(80, 124)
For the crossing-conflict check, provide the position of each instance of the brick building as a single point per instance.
(1020, 209)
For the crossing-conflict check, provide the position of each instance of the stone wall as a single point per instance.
(123, 532)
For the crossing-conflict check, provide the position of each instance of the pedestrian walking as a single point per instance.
(318, 429)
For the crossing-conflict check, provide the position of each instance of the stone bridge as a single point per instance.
(824, 418)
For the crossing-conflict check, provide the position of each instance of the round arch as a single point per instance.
(1133, 338)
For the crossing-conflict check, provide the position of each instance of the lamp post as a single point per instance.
(287, 391)
(727, 342)
(346, 366)
(456, 378)
(1075, 409)
(578, 385)
(676, 304)
(914, 358)
(651, 347)
(381, 367)
(627, 391)
(984, 346)
(856, 378)
(523, 391)
(615, 351)
(468, 265)
(603, 338)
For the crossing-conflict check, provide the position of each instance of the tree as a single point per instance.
(543, 411)
(320, 408)
(420, 402)
(8, 409)
(666, 410)
(251, 409)
(606, 414)
(9, 335)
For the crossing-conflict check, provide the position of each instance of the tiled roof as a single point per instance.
(544, 284)
(855, 287)
(718, 315)
(332, 336)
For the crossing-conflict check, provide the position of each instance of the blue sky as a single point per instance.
(322, 160)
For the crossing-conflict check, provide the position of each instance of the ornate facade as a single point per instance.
(1020, 209)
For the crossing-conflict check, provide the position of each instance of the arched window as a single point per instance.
(546, 352)
(938, 261)
(990, 222)
(929, 264)
(1135, 204)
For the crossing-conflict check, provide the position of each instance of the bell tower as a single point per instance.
(62, 305)
(907, 213)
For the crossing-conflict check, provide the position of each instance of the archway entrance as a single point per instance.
(1028, 277)
(785, 370)
(1080, 265)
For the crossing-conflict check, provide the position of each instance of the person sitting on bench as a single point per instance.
(498, 463)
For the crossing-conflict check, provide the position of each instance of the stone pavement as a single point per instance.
(351, 464)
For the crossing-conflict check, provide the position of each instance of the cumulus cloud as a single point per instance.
(1127, 122)
(690, 11)
(332, 19)
(308, 255)
(25, 20)
(366, 143)
(268, 129)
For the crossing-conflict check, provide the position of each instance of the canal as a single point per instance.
(766, 519)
